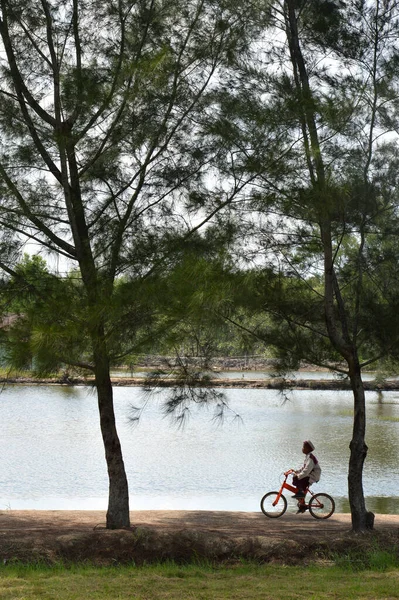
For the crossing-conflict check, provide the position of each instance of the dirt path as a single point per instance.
(24, 523)
(179, 535)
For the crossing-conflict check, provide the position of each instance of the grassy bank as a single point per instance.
(373, 576)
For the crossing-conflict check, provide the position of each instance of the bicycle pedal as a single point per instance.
(301, 510)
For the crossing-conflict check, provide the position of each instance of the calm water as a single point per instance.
(52, 455)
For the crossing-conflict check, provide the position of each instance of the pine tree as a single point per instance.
(315, 129)
(101, 158)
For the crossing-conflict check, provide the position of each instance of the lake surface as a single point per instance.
(52, 455)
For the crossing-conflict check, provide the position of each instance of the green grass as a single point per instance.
(371, 560)
(242, 581)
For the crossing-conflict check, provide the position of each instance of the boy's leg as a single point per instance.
(301, 485)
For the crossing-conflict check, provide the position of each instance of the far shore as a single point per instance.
(275, 383)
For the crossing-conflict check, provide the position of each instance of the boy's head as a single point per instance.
(307, 447)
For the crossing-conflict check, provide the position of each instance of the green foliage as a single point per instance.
(49, 325)
(309, 136)
(112, 171)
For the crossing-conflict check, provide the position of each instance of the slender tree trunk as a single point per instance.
(338, 331)
(361, 518)
(118, 501)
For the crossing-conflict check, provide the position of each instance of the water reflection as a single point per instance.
(52, 454)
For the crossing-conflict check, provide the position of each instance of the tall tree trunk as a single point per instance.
(361, 518)
(338, 331)
(118, 501)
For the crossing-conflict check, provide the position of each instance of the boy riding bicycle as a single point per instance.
(309, 473)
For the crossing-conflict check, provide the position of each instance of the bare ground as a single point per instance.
(53, 536)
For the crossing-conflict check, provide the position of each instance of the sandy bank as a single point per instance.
(52, 536)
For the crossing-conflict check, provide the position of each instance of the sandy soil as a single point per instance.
(181, 535)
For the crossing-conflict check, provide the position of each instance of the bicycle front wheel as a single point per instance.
(321, 506)
(269, 506)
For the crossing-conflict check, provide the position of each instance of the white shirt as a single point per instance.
(311, 469)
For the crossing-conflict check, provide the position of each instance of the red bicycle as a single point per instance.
(274, 504)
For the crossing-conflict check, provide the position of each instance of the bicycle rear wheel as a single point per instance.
(269, 509)
(321, 506)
